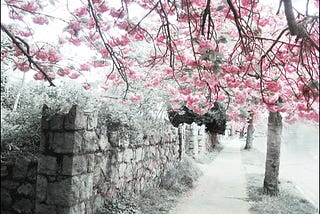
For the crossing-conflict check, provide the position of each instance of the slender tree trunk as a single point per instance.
(242, 132)
(231, 132)
(270, 185)
(213, 140)
(250, 131)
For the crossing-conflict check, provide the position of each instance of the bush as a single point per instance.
(20, 121)
(20, 124)
(182, 177)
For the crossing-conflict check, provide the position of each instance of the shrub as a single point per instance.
(20, 124)
(181, 177)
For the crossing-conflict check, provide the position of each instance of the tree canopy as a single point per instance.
(240, 52)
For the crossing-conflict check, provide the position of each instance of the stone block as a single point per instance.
(6, 199)
(59, 193)
(129, 172)
(89, 143)
(153, 150)
(20, 168)
(79, 208)
(85, 184)
(44, 208)
(41, 189)
(122, 169)
(26, 190)
(75, 209)
(114, 156)
(78, 142)
(32, 173)
(139, 154)
(74, 165)
(44, 141)
(62, 143)
(23, 206)
(98, 202)
(90, 162)
(89, 206)
(92, 121)
(4, 171)
(9, 184)
(70, 191)
(47, 165)
(75, 119)
(103, 143)
(56, 122)
(127, 155)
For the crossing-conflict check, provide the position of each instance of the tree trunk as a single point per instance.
(231, 132)
(242, 132)
(250, 131)
(270, 185)
(213, 140)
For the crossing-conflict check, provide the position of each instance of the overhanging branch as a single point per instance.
(30, 59)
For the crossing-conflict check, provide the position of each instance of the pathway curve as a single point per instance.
(222, 188)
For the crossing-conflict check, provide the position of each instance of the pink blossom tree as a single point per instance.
(198, 51)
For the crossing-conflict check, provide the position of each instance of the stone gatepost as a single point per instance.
(65, 167)
(181, 140)
(202, 138)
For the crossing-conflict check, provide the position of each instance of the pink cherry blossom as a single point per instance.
(23, 66)
(102, 8)
(42, 55)
(273, 87)
(61, 73)
(30, 6)
(39, 76)
(86, 86)
(74, 75)
(100, 63)
(81, 11)
(240, 97)
(53, 57)
(104, 87)
(40, 20)
(75, 40)
(84, 67)
(136, 98)
(75, 26)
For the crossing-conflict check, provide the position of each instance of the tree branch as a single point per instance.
(26, 53)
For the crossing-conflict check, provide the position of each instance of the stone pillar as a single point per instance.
(201, 139)
(194, 139)
(181, 140)
(65, 167)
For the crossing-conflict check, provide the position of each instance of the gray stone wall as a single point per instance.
(197, 140)
(66, 164)
(18, 184)
(80, 165)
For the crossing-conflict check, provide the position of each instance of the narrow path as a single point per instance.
(222, 188)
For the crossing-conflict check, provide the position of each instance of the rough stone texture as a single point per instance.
(23, 206)
(18, 184)
(80, 166)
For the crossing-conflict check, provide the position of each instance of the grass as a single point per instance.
(289, 200)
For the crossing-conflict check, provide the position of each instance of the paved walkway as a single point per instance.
(222, 188)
